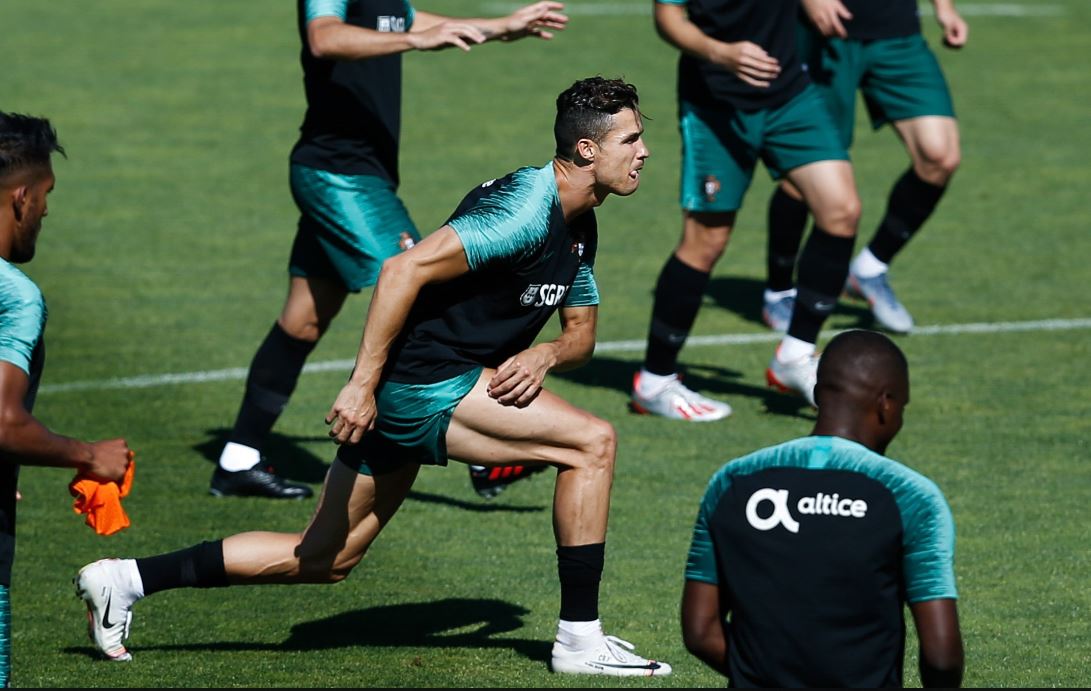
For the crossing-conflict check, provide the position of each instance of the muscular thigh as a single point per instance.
(549, 430)
(904, 80)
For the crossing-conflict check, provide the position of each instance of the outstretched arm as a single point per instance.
(955, 29)
(437, 258)
(747, 61)
(941, 655)
(704, 630)
(332, 38)
(25, 440)
(539, 19)
(518, 381)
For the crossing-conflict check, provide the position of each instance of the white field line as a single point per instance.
(239, 373)
(614, 9)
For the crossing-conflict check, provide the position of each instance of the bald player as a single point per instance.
(804, 553)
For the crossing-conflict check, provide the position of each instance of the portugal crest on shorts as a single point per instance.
(712, 188)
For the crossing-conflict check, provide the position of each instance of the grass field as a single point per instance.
(165, 253)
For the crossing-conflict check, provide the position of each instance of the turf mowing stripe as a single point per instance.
(616, 9)
(237, 373)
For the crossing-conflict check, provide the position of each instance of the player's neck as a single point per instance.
(575, 187)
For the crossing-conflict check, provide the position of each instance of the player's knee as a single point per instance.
(841, 217)
(940, 167)
(325, 562)
(600, 446)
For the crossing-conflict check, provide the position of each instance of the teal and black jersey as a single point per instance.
(353, 119)
(22, 325)
(873, 19)
(769, 23)
(525, 263)
(818, 543)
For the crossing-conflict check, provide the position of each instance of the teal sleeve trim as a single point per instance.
(672, 2)
(410, 15)
(929, 543)
(701, 562)
(22, 317)
(510, 223)
(326, 8)
(585, 291)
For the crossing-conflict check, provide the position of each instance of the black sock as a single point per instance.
(580, 570)
(274, 372)
(678, 295)
(787, 221)
(911, 202)
(199, 566)
(823, 267)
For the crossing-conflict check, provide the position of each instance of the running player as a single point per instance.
(344, 179)
(26, 179)
(874, 47)
(744, 96)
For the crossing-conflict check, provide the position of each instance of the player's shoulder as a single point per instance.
(16, 288)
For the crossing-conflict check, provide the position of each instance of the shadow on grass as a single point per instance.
(744, 297)
(285, 453)
(479, 506)
(450, 623)
(716, 382)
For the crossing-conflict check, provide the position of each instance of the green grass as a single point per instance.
(165, 252)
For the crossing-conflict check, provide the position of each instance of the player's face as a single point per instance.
(34, 208)
(621, 154)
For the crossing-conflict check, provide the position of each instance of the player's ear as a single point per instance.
(884, 403)
(20, 199)
(586, 150)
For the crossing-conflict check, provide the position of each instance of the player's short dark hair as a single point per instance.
(860, 351)
(25, 142)
(584, 110)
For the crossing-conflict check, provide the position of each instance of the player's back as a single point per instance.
(810, 540)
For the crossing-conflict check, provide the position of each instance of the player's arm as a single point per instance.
(437, 258)
(941, 654)
(746, 60)
(955, 29)
(518, 380)
(537, 19)
(25, 440)
(330, 37)
(703, 624)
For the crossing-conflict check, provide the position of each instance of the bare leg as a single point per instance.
(352, 510)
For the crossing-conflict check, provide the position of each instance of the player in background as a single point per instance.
(344, 180)
(874, 47)
(26, 178)
(744, 96)
(804, 554)
(447, 369)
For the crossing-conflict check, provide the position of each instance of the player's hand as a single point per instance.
(446, 35)
(110, 459)
(352, 414)
(955, 29)
(749, 62)
(518, 381)
(539, 19)
(828, 16)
